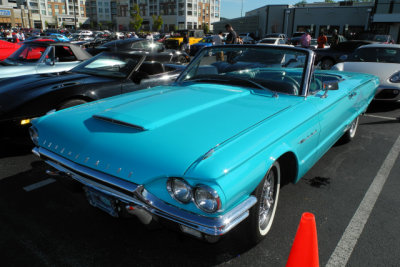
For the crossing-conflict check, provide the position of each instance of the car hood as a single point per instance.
(382, 70)
(156, 132)
(16, 89)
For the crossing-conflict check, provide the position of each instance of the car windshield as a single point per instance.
(381, 38)
(267, 41)
(273, 69)
(376, 54)
(206, 40)
(28, 53)
(109, 65)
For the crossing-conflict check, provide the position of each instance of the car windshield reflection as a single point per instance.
(28, 53)
(274, 69)
(109, 65)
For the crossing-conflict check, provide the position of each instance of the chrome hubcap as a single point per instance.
(353, 127)
(267, 200)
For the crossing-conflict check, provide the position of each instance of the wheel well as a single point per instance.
(76, 97)
(288, 167)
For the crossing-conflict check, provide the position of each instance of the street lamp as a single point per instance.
(74, 2)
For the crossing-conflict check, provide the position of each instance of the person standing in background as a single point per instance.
(218, 40)
(322, 40)
(232, 36)
(305, 40)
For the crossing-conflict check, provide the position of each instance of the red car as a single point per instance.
(7, 48)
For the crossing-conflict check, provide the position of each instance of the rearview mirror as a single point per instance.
(50, 61)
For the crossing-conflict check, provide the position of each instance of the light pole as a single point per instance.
(74, 14)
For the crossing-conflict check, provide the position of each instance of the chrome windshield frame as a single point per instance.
(307, 72)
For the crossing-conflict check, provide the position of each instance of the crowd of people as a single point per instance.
(16, 35)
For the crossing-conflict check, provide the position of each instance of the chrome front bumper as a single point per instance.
(136, 195)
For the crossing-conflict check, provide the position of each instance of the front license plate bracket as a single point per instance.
(102, 201)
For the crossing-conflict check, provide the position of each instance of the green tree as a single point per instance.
(303, 2)
(157, 22)
(206, 29)
(136, 19)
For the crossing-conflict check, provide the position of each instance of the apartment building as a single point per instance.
(179, 14)
(53, 13)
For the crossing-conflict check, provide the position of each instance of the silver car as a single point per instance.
(382, 60)
(38, 57)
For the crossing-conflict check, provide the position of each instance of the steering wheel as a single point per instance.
(292, 81)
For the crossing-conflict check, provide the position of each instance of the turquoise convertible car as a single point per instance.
(211, 150)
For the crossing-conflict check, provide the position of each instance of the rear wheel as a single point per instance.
(181, 59)
(71, 103)
(350, 133)
(262, 214)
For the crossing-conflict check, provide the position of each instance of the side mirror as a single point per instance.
(343, 57)
(50, 61)
(329, 85)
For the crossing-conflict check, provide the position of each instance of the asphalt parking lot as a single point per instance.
(43, 223)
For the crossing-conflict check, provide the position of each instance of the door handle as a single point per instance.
(352, 94)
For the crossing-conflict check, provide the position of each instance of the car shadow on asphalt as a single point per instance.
(383, 106)
(15, 146)
(64, 228)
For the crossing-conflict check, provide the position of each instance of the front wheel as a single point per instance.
(262, 214)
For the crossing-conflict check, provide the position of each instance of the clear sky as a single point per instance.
(231, 8)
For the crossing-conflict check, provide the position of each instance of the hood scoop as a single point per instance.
(119, 122)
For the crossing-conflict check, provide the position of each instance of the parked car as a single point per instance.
(277, 35)
(206, 41)
(247, 38)
(382, 60)
(272, 41)
(110, 73)
(295, 39)
(136, 45)
(42, 57)
(327, 57)
(212, 149)
(60, 37)
(176, 41)
(7, 48)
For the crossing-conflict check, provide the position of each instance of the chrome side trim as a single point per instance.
(131, 193)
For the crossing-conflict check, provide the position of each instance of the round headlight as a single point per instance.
(34, 135)
(179, 190)
(207, 199)
(395, 78)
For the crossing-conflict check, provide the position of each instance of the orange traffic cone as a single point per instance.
(304, 250)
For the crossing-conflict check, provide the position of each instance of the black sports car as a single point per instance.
(105, 75)
(154, 50)
(328, 57)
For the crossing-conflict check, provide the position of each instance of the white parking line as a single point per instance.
(344, 248)
(381, 117)
(39, 184)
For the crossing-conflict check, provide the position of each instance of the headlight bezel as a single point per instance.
(34, 134)
(171, 190)
(395, 75)
(212, 192)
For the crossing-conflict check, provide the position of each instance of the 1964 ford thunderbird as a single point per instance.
(212, 149)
